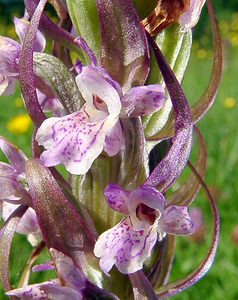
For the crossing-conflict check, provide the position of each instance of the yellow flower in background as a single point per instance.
(19, 124)
(201, 53)
(229, 102)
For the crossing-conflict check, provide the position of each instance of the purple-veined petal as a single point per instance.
(142, 100)
(21, 29)
(147, 195)
(176, 220)
(125, 247)
(9, 56)
(113, 140)
(94, 81)
(83, 44)
(28, 223)
(15, 156)
(117, 198)
(124, 50)
(27, 80)
(47, 290)
(6, 235)
(175, 160)
(72, 140)
(191, 16)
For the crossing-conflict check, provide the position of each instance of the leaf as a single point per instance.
(124, 50)
(59, 78)
(182, 284)
(6, 236)
(61, 225)
(142, 288)
(160, 265)
(27, 82)
(175, 44)
(173, 163)
(187, 192)
(84, 16)
(132, 172)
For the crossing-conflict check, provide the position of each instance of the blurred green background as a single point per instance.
(219, 128)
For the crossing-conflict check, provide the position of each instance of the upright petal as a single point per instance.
(125, 247)
(149, 196)
(21, 28)
(142, 100)
(176, 220)
(117, 198)
(95, 81)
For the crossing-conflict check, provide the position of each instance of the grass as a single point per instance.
(219, 128)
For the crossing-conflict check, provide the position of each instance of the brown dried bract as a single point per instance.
(165, 13)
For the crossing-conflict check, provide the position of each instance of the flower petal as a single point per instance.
(67, 271)
(84, 46)
(10, 189)
(28, 223)
(95, 81)
(125, 247)
(142, 100)
(21, 28)
(10, 88)
(176, 220)
(117, 198)
(147, 195)
(15, 156)
(46, 290)
(73, 140)
(9, 56)
(113, 140)
(190, 17)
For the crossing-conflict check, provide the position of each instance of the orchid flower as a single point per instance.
(10, 53)
(14, 190)
(129, 243)
(67, 286)
(76, 140)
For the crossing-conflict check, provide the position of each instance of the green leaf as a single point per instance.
(175, 44)
(84, 16)
(60, 79)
